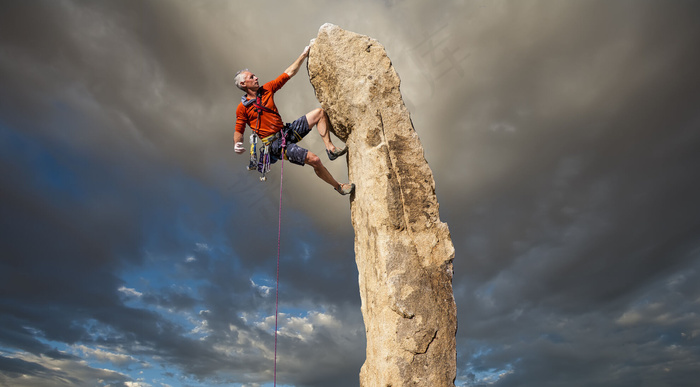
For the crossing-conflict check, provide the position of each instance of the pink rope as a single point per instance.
(279, 235)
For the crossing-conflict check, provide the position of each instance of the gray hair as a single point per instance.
(240, 77)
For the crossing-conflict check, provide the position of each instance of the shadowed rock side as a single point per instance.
(403, 251)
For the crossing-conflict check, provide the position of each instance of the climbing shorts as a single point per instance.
(293, 132)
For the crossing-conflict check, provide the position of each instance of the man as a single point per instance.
(258, 110)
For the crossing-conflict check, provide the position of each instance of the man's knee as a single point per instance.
(313, 160)
(314, 116)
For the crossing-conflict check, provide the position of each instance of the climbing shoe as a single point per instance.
(345, 189)
(336, 153)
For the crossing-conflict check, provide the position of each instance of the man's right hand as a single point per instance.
(239, 148)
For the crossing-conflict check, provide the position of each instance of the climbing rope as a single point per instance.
(279, 234)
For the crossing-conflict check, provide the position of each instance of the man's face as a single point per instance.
(251, 81)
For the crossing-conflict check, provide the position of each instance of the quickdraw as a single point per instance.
(265, 157)
(253, 165)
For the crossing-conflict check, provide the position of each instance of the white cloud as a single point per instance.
(201, 325)
(101, 355)
(202, 247)
(130, 292)
(304, 328)
(631, 317)
(262, 289)
(298, 327)
(56, 370)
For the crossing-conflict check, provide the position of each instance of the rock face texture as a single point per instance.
(403, 251)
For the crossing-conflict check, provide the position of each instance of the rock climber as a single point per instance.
(258, 110)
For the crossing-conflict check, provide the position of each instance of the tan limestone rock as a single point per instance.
(403, 251)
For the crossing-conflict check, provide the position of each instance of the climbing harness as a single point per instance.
(277, 286)
(261, 164)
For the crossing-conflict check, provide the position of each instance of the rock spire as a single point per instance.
(403, 251)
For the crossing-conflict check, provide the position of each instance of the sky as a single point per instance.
(136, 250)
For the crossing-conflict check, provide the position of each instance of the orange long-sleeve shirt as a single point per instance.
(270, 123)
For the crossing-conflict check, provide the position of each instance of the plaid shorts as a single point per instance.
(293, 133)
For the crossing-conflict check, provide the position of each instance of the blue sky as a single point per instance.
(137, 250)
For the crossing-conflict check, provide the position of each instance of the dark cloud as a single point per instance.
(29, 373)
(563, 138)
(578, 135)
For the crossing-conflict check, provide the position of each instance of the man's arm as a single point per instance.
(294, 67)
(238, 132)
(238, 146)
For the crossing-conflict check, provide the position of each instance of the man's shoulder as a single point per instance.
(241, 109)
(241, 101)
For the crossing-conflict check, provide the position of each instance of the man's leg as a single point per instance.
(318, 117)
(322, 172)
(300, 156)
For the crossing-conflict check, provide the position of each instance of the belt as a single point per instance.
(269, 139)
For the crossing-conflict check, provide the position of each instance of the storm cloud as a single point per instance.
(138, 251)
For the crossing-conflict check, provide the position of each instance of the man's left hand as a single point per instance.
(239, 148)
